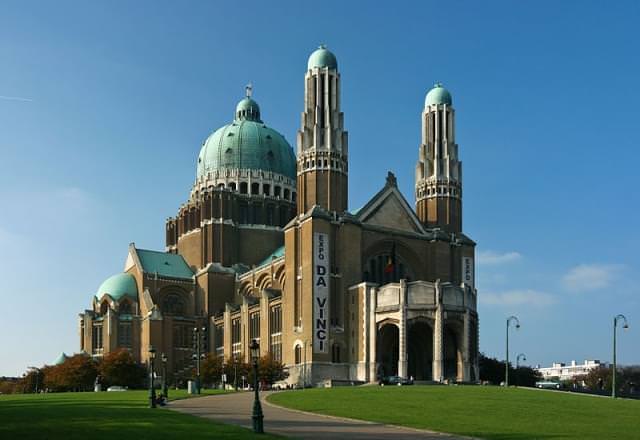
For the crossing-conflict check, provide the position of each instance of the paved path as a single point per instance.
(236, 409)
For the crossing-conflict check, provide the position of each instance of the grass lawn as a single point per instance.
(113, 416)
(484, 412)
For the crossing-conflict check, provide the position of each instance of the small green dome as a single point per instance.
(322, 57)
(117, 286)
(247, 143)
(61, 359)
(437, 95)
(247, 108)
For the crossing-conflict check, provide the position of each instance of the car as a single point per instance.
(117, 388)
(548, 385)
(396, 380)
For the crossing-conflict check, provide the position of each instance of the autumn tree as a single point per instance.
(120, 368)
(76, 373)
(211, 369)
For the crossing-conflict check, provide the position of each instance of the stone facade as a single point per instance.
(259, 253)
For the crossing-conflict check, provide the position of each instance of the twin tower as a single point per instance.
(322, 163)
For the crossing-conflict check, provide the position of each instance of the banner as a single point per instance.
(467, 271)
(320, 292)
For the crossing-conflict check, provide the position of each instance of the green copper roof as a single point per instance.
(60, 359)
(437, 95)
(164, 264)
(275, 254)
(118, 286)
(322, 57)
(247, 143)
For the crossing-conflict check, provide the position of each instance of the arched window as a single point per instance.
(125, 308)
(298, 354)
(173, 304)
(244, 187)
(255, 188)
(232, 186)
(104, 307)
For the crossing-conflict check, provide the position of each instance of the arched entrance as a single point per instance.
(452, 354)
(420, 350)
(387, 345)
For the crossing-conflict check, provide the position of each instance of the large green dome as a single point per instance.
(322, 57)
(437, 95)
(247, 143)
(117, 286)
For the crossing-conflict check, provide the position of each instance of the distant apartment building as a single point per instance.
(562, 371)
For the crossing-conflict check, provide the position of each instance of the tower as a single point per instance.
(438, 171)
(322, 167)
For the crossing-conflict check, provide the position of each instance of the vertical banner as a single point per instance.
(320, 292)
(467, 272)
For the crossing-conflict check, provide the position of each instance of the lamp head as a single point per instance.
(164, 358)
(517, 326)
(254, 347)
(152, 352)
(625, 326)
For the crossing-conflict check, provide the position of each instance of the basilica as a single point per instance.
(265, 247)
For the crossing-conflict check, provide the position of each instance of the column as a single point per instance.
(466, 348)
(402, 331)
(373, 333)
(438, 338)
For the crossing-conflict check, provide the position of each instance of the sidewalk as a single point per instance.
(236, 409)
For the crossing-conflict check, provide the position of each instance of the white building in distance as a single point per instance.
(561, 371)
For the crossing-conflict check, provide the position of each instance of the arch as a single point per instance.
(244, 187)
(245, 288)
(280, 275)
(387, 346)
(420, 349)
(104, 307)
(264, 281)
(255, 188)
(297, 354)
(173, 302)
(232, 186)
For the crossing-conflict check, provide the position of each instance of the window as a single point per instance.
(255, 188)
(232, 186)
(124, 335)
(96, 338)
(104, 307)
(125, 308)
(173, 304)
(219, 339)
(277, 190)
(236, 336)
(244, 188)
(254, 326)
(183, 336)
(335, 353)
(286, 194)
(275, 328)
(266, 189)
(298, 354)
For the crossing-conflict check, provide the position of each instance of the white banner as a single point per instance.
(320, 292)
(467, 271)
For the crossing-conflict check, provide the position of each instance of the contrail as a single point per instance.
(15, 98)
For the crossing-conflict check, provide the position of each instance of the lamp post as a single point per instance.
(615, 325)
(199, 344)
(510, 319)
(524, 358)
(165, 385)
(152, 386)
(257, 415)
(235, 372)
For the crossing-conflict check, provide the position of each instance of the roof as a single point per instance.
(117, 286)
(164, 264)
(322, 57)
(437, 95)
(275, 254)
(247, 144)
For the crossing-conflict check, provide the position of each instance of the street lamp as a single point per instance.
(625, 326)
(199, 347)
(235, 372)
(165, 385)
(510, 319)
(257, 408)
(152, 387)
(524, 358)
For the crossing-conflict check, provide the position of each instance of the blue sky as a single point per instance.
(104, 105)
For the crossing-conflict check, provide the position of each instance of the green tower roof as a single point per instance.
(117, 286)
(247, 143)
(437, 95)
(60, 359)
(322, 57)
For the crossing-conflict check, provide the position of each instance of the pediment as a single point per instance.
(389, 209)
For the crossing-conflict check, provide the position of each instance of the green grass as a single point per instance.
(484, 412)
(97, 416)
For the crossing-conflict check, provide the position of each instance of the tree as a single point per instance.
(599, 379)
(77, 373)
(120, 368)
(492, 371)
(211, 369)
(269, 370)
(235, 368)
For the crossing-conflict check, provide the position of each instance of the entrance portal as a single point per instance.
(387, 350)
(420, 351)
(451, 354)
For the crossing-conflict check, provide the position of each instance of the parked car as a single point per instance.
(548, 385)
(396, 380)
(117, 388)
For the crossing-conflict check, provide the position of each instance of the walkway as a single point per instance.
(236, 409)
